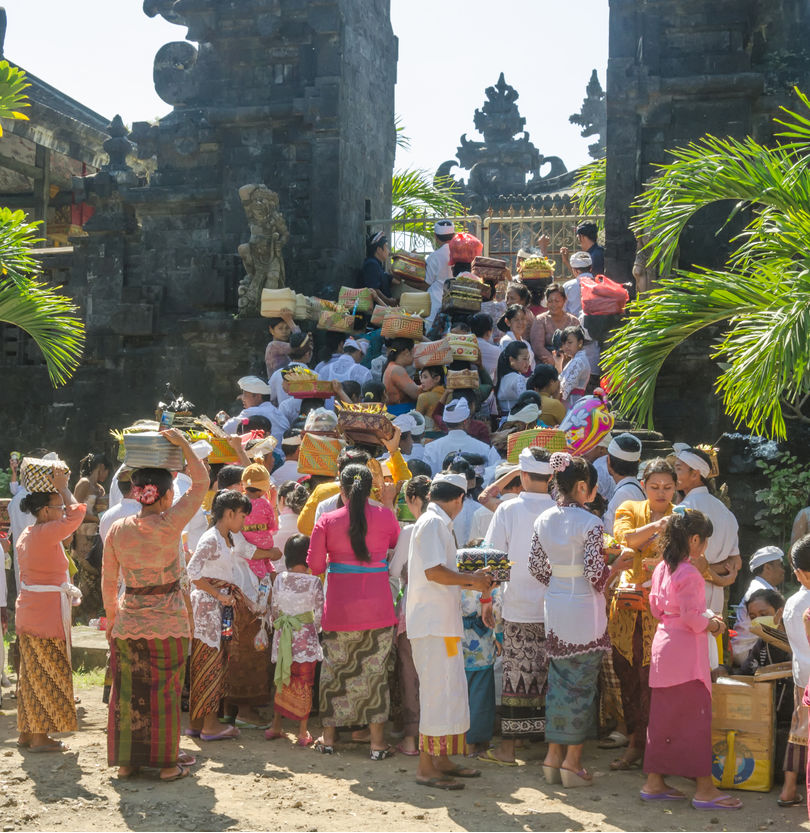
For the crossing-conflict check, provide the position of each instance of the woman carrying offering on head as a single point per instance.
(401, 391)
(547, 323)
(45, 681)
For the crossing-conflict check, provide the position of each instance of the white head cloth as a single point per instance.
(615, 450)
(456, 411)
(528, 464)
(685, 454)
(457, 480)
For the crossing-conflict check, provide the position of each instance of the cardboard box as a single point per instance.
(743, 734)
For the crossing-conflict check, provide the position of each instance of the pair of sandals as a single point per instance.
(182, 769)
(446, 782)
(375, 755)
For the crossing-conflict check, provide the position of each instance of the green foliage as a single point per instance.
(12, 92)
(761, 296)
(5, 479)
(590, 187)
(786, 494)
(17, 236)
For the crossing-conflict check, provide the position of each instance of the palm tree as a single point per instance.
(590, 187)
(25, 301)
(761, 296)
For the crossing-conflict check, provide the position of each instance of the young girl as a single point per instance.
(277, 353)
(680, 728)
(513, 365)
(296, 609)
(292, 498)
(261, 523)
(575, 375)
(432, 379)
(516, 324)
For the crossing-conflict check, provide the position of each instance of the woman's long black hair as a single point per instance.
(511, 351)
(89, 463)
(683, 524)
(356, 482)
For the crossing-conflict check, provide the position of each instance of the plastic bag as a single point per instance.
(602, 296)
(464, 248)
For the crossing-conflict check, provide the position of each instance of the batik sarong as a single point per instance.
(354, 677)
(143, 728)
(44, 686)
(571, 698)
(525, 672)
(247, 681)
(207, 679)
(294, 700)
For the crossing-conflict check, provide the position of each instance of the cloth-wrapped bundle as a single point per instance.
(399, 324)
(463, 379)
(367, 424)
(410, 267)
(356, 300)
(276, 301)
(319, 454)
(465, 248)
(36, 475)
(432, 354)
(380, 312)
(552, 439)
(470, 559)
(463, 294)
(490, 269)
(416, 303)
(336, 321)
(463, 347)
(150, 449)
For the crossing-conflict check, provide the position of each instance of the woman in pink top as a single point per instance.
(148, 626)
(358, 618)
(45, 682)
(679, 733)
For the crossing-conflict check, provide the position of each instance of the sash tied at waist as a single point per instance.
(70, 596)
(287, 624)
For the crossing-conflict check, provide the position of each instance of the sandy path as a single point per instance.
(252, 784)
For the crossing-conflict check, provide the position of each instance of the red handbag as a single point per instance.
(602, 296)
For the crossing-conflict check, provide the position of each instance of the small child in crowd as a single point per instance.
(297, 601)
(432, 379)
(261, 523)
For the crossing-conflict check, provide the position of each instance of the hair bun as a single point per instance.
(560, 461)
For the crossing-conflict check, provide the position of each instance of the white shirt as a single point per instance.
(795, 607)
(455, 441)
(462, 523)
(125, 509)
(432, 609)
(489, 356)
(278, 421)
(198, 525)
(437, 271)
(723, 542)
(277, 393)
(19, 520)
(508, 338)
(574, 376)
(628, 488)
(744, 641)
(511, 387)
(288, 470)
(511, 530)
(573, 294)
(346, 369)
(606, 485)
(287, 527)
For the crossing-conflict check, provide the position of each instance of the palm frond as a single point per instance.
(417, 191)
(50, 319)
(403, 141)
(590, 187)
(13, 84)
(16, 240)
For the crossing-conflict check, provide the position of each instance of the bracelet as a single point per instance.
(485, 601)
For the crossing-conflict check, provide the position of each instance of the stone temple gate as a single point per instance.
(299, 95)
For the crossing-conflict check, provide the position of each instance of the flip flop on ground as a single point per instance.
(717, 803)
(181, 772)
(440, 783)
(489, 757)
(225, 734)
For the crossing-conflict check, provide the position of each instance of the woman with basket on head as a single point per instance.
(148, 625)
(401, 390)
(352, 544)
(637, 529)
(45, 681)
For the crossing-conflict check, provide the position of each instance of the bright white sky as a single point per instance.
(545, 48)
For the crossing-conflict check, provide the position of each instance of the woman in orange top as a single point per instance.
(45, 684)
(148, 626)
(401, 390)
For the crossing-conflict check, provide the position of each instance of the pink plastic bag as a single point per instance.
(602, 296)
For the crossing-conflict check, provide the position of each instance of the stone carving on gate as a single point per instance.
(261, 255)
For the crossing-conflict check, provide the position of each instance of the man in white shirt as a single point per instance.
(766, 565)
(253, 391)
(435, 628)
(290, 447)
(525, 663)
(793, 619)
(693, 468)
(482, 326)
(125, 508)
(581, 267)
(347, 367)
(457, 417)
(438, 268)
(606, 486)
(194, 529)
(624, 454)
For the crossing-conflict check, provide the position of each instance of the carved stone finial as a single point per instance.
(592, 117)
(118, 146)
(261, 256)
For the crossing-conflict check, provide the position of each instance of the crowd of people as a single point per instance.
(364, 600)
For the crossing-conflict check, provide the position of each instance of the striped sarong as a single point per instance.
(44, 686)
(207, 679)
(143, 728)
(354, 677)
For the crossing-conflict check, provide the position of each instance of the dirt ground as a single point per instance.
(253, 784)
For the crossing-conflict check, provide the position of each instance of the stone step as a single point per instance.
(88, 647)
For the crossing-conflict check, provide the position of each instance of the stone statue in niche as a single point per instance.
(644, 274)
(261, 255)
